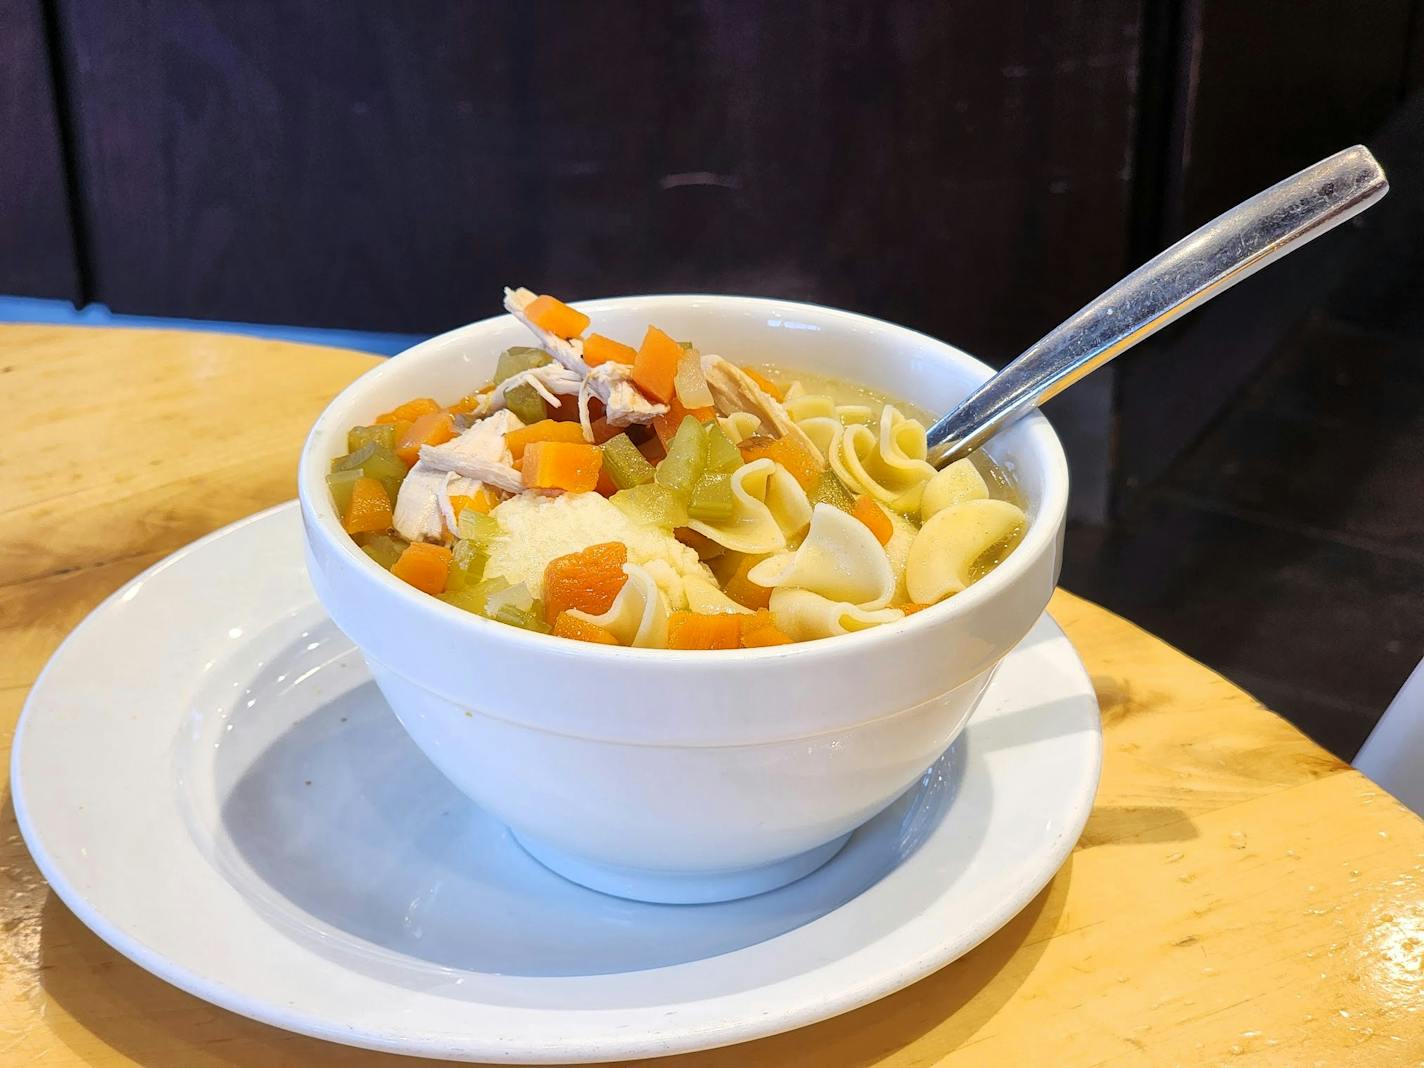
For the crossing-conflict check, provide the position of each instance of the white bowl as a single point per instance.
(686, 776)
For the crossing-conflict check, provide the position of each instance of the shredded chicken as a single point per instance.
(623, 404)
(462, 465)
(734, 391)
(568, 353)
(550, 382)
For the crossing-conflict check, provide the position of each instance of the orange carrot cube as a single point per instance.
(655, 366)
(551, 314)
(370, 508)
(562, 465)
(588, 580)
(598, 349)
(544, 430)
(805, 465)
(433, 428)
(567, 626)
(410, 411)
(424, 566)
(874, 517)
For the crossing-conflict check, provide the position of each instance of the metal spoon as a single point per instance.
(1191, 272)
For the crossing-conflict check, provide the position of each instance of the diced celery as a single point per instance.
(685, 344)
(375, 461)
(711, 499)
(531, 618)
(686, 458)
(722, 456)
(518, 359)
(479, 530)
(384, 549)
(467, 566)
(830, 490)
(626, 466)
(383, 434)
(525, 402)
(341, 483)
(474, 597)
(652, 505)
(517, 597)
(690, 383)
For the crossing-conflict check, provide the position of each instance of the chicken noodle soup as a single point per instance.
(660, 496)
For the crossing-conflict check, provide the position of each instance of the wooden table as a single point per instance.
(1239, 894)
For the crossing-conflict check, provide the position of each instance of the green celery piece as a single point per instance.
(711, 499)
(652, 505)
(479, 530)
(517, 360)
(383, 434)
(626, 466)
(525, 402)
(830, 490)
(722, 456)
(341, 484)
(384, 549)
(686, 458)
(475, 596)
(375, 461)
(531, 618)
(467, 566)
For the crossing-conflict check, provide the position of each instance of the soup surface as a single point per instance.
(667, 497)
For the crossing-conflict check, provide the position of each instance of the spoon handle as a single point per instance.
(1191, 272)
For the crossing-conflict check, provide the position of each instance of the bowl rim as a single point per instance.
(1044, 449)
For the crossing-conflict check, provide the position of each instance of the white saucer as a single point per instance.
(207, 776)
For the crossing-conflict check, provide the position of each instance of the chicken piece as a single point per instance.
(568, 353)
(734, 391)
(623, 403)
(479, 453)
(418, 516)
(550, 381)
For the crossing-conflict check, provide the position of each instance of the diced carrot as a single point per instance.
(433, 428)
(562, 465)
(482, 500)
(465, 405)
(544, 430)
(910, 608)
(566, 411)
(697, 630)
(743, 590)
(598, 349)
(656, 365)
(805, 466)
(370, 508)
(665, 425)
(410, 411)
(765, 383)
(606, 486)
(588, 580)
(603, 431)
(551, 314)
(760, 631)
(580, 630)
(424, 566)
(874, 517)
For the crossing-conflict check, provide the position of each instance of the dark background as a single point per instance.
(1246, 483)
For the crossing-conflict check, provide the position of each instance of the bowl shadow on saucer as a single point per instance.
(347, 838)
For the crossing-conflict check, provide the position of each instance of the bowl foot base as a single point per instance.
(675, 888)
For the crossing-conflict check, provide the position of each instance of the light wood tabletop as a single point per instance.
(1239, 895)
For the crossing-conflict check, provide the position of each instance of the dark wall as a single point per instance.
(37, 248)
(964, 168)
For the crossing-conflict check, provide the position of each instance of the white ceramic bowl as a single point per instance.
(686, 776)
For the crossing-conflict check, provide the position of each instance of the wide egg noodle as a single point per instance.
(888, 465)
(957, 483)
(805, 616)
(768, 507)
(638, 615)
(943, 554)
(840, 560)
